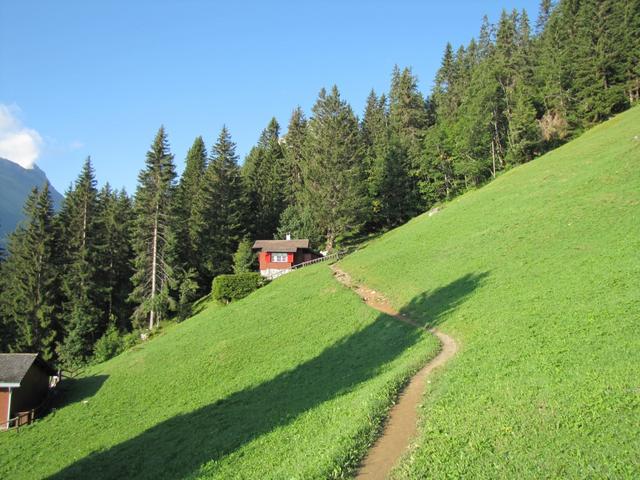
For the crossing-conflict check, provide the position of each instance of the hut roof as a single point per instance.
(281, 245)
(14, 366)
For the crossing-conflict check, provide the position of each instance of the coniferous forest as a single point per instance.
(76, 282)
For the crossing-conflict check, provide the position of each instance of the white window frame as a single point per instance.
(277, 257)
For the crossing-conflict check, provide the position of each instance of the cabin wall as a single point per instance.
(271, 269)
(5, 396)
(266, 263)
(32, 391)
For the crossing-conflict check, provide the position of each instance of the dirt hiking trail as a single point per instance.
(401, 423)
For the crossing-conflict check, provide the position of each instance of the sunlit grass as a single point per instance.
(291, 382)
(547, 381)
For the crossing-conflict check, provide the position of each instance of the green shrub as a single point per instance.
(227, 288)
(130, 339)
(244, 260)
(109, 345)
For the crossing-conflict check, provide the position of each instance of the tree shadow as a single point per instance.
(430, 308)
(179, 446)
(73, 390)
(201, 304)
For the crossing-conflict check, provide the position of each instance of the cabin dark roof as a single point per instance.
(14, 366)
(281, 245)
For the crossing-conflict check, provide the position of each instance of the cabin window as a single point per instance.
(279, 257)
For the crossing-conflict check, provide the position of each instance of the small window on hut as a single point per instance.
(279, 257)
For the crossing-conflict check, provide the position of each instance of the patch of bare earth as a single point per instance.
(401, 424)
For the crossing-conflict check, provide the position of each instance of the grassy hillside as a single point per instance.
(291, 382)
(537, 275)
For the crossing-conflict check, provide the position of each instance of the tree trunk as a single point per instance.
(330, 239)
(496, 140)
(154, 267)
(493, 156)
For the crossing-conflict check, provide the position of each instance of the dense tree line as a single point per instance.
(109, 261)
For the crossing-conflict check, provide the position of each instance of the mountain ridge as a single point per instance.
(16, 183)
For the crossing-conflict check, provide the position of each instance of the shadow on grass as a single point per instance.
(430, 308)
(72, 390)
(201, 304)
(178, 446)
(359, 241)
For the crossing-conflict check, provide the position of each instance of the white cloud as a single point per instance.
(17, 142)
(76, 145)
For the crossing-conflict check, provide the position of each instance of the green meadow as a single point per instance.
(547, 380)
(291, 382)
(535, 275)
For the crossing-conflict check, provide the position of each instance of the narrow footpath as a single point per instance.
(401, 424)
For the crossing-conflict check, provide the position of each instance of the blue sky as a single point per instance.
(82, 78)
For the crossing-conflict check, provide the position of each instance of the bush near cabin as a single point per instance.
(227, 288)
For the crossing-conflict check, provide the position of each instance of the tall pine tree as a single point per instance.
(266, 177)
(387, 177)
(629, 36)
(116, 256)
(332, 173)
(220, 210)
(294, 154)
(31, 297)
(152, 234)
(81, 243)
(184, 253)
(408, 119)
(600, 77)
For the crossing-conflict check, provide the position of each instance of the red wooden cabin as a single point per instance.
(280, 256)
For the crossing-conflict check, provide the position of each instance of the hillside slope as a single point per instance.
(546, 384)
(290, 382)
(535, 275)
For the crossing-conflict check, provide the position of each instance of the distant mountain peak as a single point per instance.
(16, 182)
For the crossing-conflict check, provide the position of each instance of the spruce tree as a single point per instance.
(443, 89)
(266, 174)
(544, 12)
(387, 178)
(294, 155)
(116, 256)
(599, 82)
(30, 299)
(244, 259)
(299, 221)
(629, 36)
(375, 142)
(152, 234)
(408, 120)
(220, 210)
(553, 75)
(332, 174)
(184, 253)
(81, 243)
(514, 71)
(297, 218)
(187, 293)
(486, 38)
(436, 173)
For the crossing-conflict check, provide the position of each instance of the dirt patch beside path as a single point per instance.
(401, 424)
